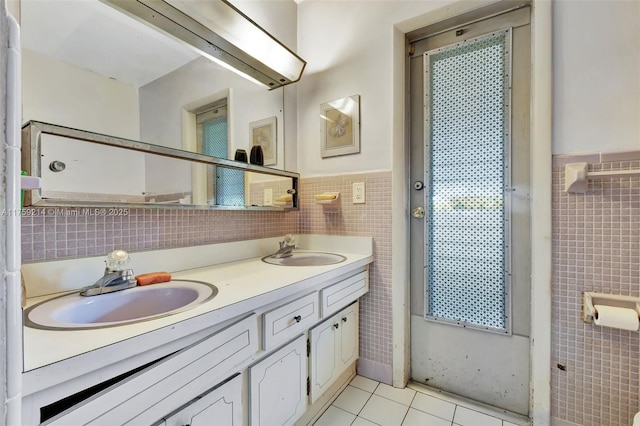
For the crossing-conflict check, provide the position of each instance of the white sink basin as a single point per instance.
(73, 311)
(306, 259)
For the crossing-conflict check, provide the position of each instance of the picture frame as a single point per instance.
(340, 127)
(265, 133)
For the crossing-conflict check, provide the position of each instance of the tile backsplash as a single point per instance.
(596, 247)
(370, 219)
(59, 233)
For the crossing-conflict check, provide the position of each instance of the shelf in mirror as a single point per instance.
(82, 169)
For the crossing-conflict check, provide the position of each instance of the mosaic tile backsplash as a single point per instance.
(69, 233)
(596, 247)
(371, 219)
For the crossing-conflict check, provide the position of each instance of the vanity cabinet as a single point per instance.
(168, 384)
(219, 406)
(333, 347)
(272, 362)
(277, 386)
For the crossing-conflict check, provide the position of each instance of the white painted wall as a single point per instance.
(596, 71)
(57, 93)
(348, 47)
(162, 102)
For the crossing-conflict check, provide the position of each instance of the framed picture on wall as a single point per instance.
(264, 133)
(340, 127)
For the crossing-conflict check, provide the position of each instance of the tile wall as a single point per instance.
(56, 233)
(596, 247)
(370, 219)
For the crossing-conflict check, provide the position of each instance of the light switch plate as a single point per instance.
(358, 193)
(268, 197)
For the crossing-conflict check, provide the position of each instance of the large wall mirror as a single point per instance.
(90, 67)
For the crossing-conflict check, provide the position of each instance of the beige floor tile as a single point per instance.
(418, 418)
(334, 416)
(403, 396)
(364, 384)
(359, 421)
(352, 399)
(384, 411)
(434, 406)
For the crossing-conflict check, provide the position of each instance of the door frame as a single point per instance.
(541, 151)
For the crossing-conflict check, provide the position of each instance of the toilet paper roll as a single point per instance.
(611, 316)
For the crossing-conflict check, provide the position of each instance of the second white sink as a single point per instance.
(306, 259)
(137, 304)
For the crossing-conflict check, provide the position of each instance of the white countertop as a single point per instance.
(242, 285)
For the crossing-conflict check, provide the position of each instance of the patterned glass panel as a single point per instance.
(229, 183)
(467, 90)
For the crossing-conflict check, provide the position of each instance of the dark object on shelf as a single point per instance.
(257, 156)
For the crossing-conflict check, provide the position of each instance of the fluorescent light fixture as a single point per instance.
(219, 31)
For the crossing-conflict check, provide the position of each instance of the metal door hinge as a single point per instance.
(308, 386)
(308, 347)
(411, 50)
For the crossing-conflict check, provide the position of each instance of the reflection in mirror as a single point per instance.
(91, 67)
(82, 168)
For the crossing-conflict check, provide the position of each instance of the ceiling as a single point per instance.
(94, 36)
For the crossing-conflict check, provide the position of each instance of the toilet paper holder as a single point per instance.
(589, 299)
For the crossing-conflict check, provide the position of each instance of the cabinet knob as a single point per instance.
(298, 318)
(336, 325)
(344, 319)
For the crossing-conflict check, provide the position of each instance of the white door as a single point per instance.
(333, 347)
(470, 245)
(278, 394)
(322, 357)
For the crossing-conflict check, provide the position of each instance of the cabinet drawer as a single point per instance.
(147, 396)
(343, 293)
(287, 321)
(221, 406)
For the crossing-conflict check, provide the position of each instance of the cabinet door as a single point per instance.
(348, 337)
(322, 357)
(333, 348)
(278, 386)
(220, 406)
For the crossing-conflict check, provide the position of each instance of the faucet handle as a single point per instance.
(289, 239)
(117, 260)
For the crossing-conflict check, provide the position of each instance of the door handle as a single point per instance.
(418, 212)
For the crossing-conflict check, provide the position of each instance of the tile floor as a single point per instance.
(365, 402)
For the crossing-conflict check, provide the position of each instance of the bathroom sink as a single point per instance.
(306, 259)
(137, 304)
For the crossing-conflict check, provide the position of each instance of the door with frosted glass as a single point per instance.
(470, 245)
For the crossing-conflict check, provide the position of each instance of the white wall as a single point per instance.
(596, 71)
(348, 46)
(162, 102)
(57, 93)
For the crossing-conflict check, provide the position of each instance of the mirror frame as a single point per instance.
(32, 164)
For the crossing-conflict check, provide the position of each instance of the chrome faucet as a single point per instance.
(115, 277)
(286, 247)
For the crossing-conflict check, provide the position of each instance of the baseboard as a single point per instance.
(375, 371)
